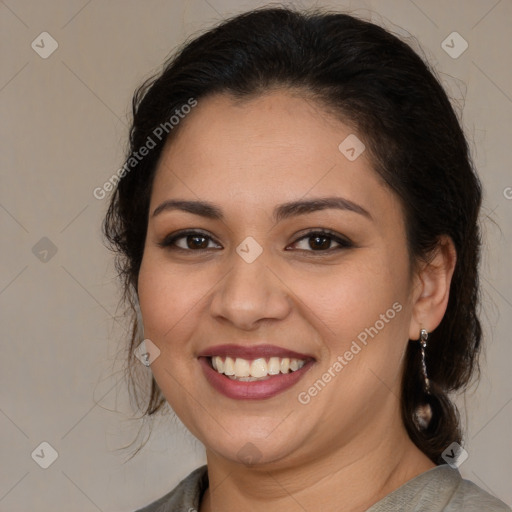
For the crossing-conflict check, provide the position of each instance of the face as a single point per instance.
(273, 256)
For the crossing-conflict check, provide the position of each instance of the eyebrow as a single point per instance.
(281, 212)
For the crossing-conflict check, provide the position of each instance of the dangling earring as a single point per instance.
(423, 412)
(423, 345)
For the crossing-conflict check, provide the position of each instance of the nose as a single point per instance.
(250, 294)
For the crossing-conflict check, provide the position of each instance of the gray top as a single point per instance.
(438, 489)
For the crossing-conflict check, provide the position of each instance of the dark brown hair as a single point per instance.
(375, 82)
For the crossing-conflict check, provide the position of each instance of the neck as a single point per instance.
(357, 475)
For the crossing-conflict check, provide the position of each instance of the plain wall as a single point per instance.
(63, 132)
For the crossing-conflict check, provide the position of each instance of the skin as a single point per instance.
(348, 444)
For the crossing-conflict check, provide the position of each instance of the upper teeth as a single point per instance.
(257, 368)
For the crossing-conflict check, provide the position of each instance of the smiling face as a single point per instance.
(326, 282)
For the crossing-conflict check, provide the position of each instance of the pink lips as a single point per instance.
(256, 390)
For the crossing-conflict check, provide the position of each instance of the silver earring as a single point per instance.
(423, 345)
(423, 412)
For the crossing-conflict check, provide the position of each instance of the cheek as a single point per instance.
(170, 302)
(363, 315)
(168, 295)
(352, 297)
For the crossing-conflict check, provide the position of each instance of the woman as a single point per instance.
(297, 220)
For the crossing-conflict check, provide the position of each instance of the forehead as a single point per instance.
(272, 148)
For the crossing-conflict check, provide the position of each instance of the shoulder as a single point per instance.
(185, 496)
(470, 497)
(440, 489)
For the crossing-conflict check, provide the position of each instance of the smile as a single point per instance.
(253, 372)
(245, 370)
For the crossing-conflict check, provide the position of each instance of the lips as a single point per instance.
(230, 370)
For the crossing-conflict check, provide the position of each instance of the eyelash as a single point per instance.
(344, 243)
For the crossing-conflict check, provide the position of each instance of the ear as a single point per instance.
(432, 288)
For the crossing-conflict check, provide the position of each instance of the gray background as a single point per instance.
(63, 132)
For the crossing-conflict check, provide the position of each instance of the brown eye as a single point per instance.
(189, 241)
(322, 241)
(195, 242)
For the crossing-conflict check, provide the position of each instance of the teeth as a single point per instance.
(229, 366)
(242, 368)
(257, 369)
(294, 364)
(274, 366)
